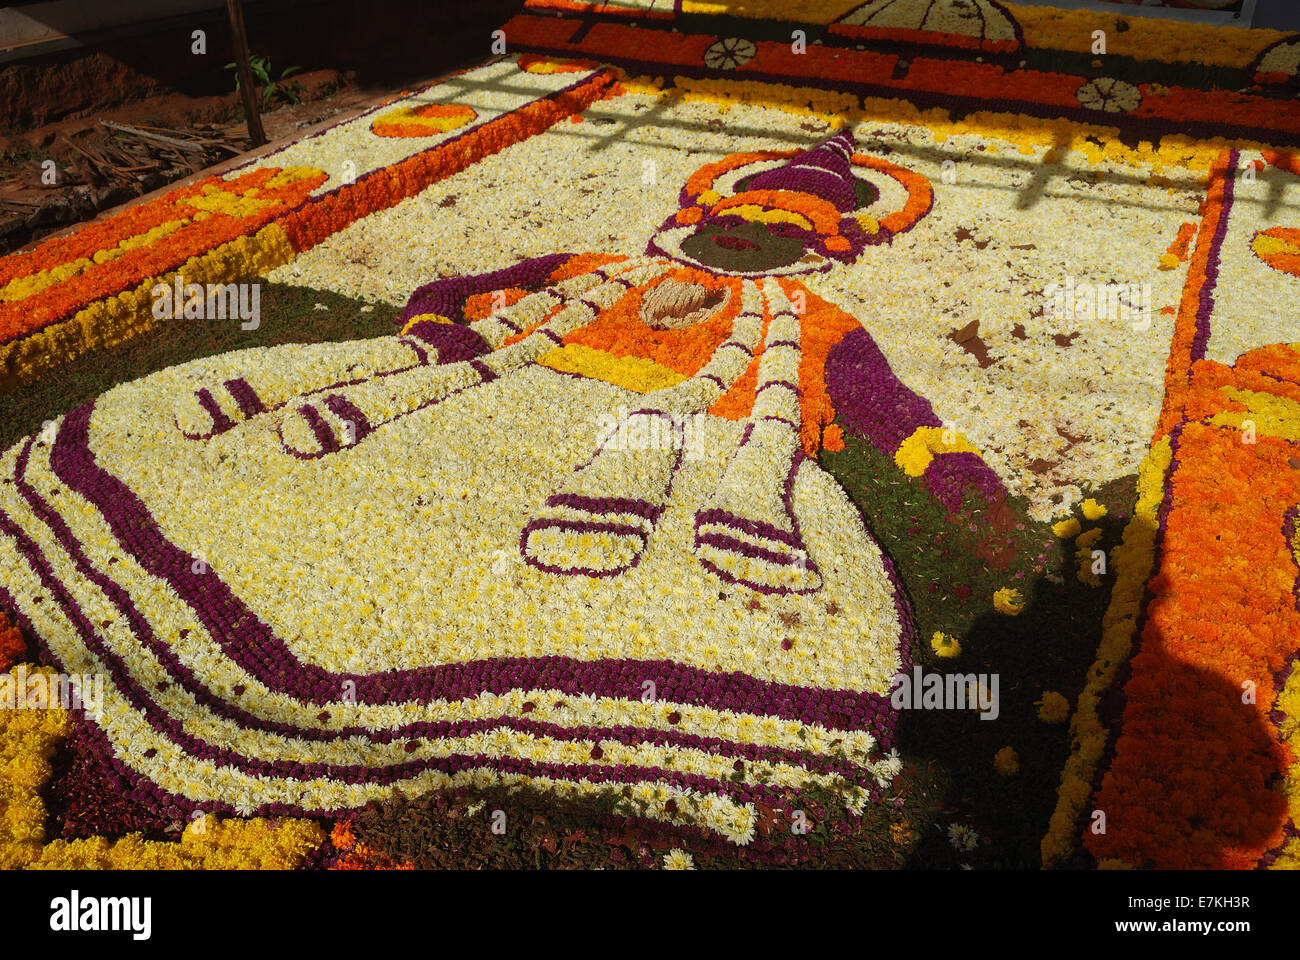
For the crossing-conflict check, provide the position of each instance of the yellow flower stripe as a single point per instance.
(1052, 136)
(802, 11)
(1288, 702)
(915, 453)
(129, 314)
(421, 317)
(757, 214)
(213, 199)
(631, 373)
(1169, 41)
(206, 844)
(1272, 415)
(21, 288)
(1133, 561)
(28, 739)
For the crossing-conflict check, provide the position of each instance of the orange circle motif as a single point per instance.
(1279, 247)
(426, 120)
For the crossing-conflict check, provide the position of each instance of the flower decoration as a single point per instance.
(1053, 708)
(1006, 762)
(470, 617)
(945, 646)
(424, 120)
(1008, 601)
(729, 53)
(1109, 95)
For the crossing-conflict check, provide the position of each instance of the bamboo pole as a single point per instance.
(255, 132)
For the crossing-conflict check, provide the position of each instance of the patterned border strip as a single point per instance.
(955, 84)
(1044, 30)
(1136, 558)
(114, 315)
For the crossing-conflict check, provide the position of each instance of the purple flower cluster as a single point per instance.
(446, 297)
(871, 401)
(949, 475)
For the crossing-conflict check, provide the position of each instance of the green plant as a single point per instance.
(12, 160)
(290, 90)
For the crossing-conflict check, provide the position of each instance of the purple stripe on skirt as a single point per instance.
(252, 645)
(250, 404)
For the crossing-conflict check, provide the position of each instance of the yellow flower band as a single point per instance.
(915, 453)
(756, 214)
(421, 317)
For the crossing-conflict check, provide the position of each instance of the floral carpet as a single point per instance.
(702, 434)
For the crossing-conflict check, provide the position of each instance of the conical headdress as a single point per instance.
(822, 171)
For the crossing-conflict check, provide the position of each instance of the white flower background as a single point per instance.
(604, 186)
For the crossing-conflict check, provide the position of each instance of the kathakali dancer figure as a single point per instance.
(317, 572)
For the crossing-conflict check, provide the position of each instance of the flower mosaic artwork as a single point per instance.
(649, 440)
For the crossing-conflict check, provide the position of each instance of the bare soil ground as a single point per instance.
(97, 167)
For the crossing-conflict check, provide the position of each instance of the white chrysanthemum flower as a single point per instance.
(962, 837)
(678, 859)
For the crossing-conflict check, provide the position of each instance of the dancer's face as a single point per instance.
(735, 244)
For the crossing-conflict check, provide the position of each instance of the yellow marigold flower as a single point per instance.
(1169, 262)
(1008, 600)
(1092, 510)
(1053, 708)
(1086, 541)
(914, 454)
(1085, 548)
(678, 859)
(945, 646)
(1006, 762)
(1067, 528)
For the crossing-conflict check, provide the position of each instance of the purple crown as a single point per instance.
(823, 171)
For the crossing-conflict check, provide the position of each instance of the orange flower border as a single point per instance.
(1189, 752)
(1190, 784)
(109, 302)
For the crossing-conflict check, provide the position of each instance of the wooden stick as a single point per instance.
(172, 141)
(255, 132)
